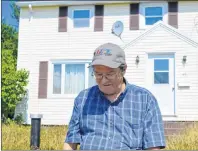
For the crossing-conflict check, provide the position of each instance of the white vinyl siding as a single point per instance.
(39, 40)
(188, 18)
(185, 97)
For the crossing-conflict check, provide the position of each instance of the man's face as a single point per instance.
(108, 79)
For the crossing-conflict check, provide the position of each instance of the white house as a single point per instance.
(57, 40)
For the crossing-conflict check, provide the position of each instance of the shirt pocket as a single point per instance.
(134, 132)
(90, 123)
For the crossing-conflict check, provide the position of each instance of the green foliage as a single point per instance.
(9, 38)
(19, 119)
(9, 121)
(13, 83)
(15, 11)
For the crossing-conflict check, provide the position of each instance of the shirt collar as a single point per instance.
(121, 94)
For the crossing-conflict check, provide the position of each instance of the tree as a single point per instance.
(13, 83)
(15, 11)
(9, 38)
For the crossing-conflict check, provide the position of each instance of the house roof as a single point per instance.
(25, 3)
(167, 28)
(84, 0)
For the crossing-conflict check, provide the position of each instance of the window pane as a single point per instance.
(161, 65)
(81, 23)
(161, 77)
(81, 14)
(92, 80)
(153, 11)
(74, 78)
(57, 79)
(151, 21)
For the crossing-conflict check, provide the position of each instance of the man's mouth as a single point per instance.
(106, 85)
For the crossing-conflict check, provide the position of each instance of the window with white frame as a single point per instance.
(161, 71)
(152, 12)
(153, 15)
(71, 78)
(81, 18)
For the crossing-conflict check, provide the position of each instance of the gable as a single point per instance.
(165, 27)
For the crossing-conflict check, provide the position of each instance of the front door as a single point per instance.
(160, 81)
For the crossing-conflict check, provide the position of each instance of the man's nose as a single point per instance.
(104, 79)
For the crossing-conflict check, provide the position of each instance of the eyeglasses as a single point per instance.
(109, 76)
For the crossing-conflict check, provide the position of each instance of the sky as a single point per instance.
(7, 12)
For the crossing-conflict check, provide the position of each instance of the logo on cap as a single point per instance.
(106, 52)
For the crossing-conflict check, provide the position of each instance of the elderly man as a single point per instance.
(114, 115)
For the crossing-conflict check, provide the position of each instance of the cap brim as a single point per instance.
(104, 63)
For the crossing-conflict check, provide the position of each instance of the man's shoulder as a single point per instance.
(87, 92)
(142, 95)
(83, 96)
(138, 89)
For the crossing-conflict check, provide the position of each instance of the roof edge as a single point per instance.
(63, 3)
(167, 27)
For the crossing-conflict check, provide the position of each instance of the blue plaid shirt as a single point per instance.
(133, 121)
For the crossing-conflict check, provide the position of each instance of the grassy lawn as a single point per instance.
(17, 137)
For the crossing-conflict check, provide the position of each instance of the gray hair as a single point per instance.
(122, 68)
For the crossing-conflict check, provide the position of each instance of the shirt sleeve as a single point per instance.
(153, 125)
(73, 133)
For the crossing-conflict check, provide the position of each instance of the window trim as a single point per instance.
(71, 29)
(154, 71)
(76, 9)
(144, 12)
(143, 6)
(152, 16)
(50, 75)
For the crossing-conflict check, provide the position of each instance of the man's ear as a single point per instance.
(124, 69)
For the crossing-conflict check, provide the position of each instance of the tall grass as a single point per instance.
(17, 137)
(188, 140)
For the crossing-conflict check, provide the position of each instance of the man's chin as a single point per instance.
(108, 93)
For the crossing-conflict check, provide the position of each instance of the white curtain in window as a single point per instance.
(74, 78)
(57, 79)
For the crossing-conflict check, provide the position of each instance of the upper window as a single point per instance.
(153, 15)
(71, 78)
(81, 18)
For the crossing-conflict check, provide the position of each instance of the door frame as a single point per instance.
(164, 54)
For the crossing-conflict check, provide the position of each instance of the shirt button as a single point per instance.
(109, 137)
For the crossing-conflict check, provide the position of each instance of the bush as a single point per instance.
(19, 119)
(13, 84)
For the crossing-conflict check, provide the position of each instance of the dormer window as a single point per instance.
(153, 15)
(152, 12)
(81, 18)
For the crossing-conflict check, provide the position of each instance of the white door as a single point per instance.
(160, 81)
